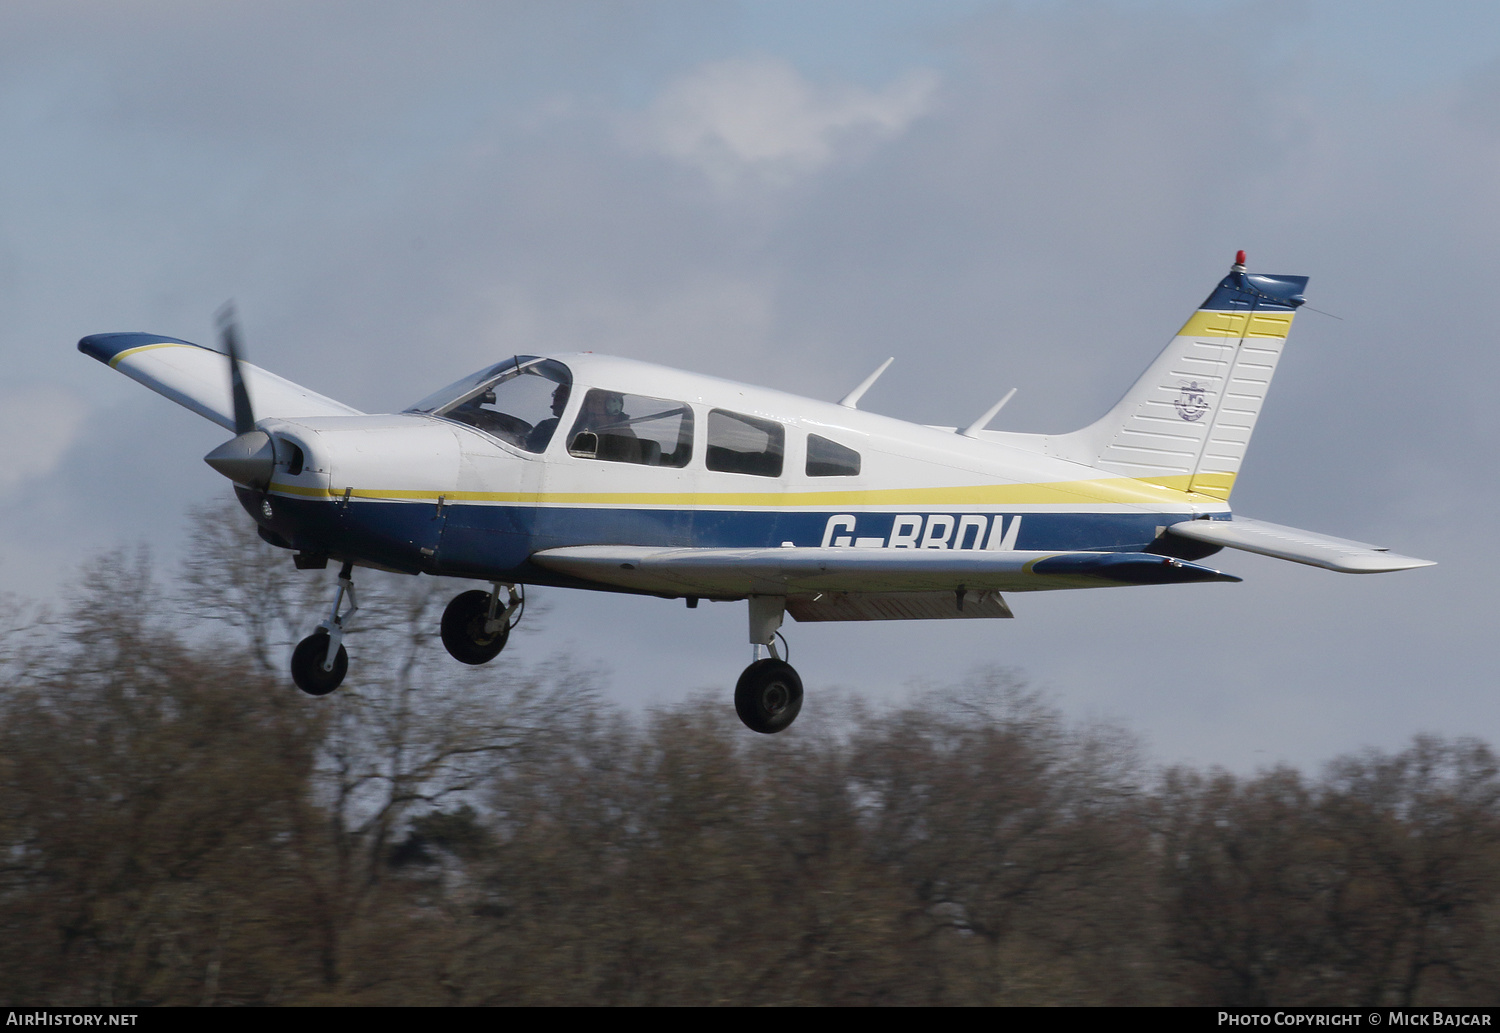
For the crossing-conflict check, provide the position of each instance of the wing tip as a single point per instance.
(1382, 563)
(108, 347)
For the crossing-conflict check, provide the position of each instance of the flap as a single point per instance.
(897, 606)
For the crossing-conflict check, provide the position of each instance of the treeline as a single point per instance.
(180, 826)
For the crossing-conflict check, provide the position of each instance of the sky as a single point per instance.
(1024, 194)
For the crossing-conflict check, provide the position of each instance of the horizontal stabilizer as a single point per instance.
(198, 378)
(736, 573)
(1289, 543)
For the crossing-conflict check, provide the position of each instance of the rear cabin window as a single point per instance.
(830, 459)
(744, 444)
(622, 428)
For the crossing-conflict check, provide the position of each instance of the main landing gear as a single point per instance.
(768, 696)
(476, 626)
(320, 661)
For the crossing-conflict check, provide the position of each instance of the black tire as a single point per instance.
(307, 665)
(768, 696)
(463, 630)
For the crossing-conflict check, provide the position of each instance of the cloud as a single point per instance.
(676, 324)
(36, 429)
(759, 119)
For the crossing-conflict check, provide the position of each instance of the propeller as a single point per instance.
(250, 456)
(229, 337)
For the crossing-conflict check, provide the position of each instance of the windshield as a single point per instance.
(518, 400)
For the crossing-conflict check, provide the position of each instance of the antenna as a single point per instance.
(851, 400)
(973, 429)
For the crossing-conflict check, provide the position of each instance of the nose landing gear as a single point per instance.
(320, 661)
(768, 696)
(308, 661)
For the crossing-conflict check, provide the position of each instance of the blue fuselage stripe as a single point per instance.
(496, 541)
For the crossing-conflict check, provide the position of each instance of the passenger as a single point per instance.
(604, 415)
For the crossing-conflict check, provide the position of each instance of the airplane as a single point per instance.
(591, 472)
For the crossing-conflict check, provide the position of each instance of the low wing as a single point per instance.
(737, 573)
(1289, 543)
(198, 378)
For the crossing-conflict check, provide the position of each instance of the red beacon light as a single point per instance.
(1239, 259)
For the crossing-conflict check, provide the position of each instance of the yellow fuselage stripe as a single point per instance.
(1115, 490)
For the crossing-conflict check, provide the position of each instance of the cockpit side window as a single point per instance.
(623, 428)
(744, 444)
(518, 401)
(830, 459)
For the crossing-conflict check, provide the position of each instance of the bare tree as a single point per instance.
(1015, 833)
(179, 825)
(1377, 885)
(1248, 879)
(1420, 837)
(144, 793)
(230, 575)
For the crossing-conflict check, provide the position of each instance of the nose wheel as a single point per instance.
(308, 661)
(320, 661)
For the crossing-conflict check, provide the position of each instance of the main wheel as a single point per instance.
(768, 696)
(463, 629)
(307, 665)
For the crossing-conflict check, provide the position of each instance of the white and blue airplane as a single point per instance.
(585, 471)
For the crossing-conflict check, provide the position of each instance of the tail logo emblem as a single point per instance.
(1191, 403)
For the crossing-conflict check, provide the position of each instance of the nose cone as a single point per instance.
(249, 458)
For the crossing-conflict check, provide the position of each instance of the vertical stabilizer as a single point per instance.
(1187, 421)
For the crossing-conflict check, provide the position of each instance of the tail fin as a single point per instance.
(1187, 421)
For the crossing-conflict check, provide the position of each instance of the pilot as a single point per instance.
(541, 434)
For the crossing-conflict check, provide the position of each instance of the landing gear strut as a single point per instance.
(320, 661)
(768, 696)
(475, 625)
